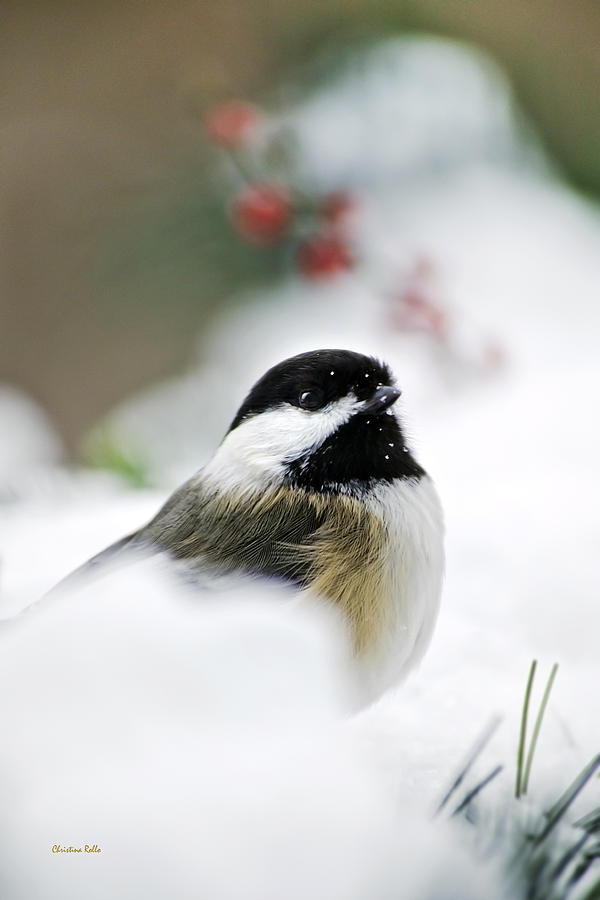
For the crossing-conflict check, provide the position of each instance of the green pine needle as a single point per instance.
(590, 822)
(475, 751)
(523, 734)
(537, 726)
(555, 814)
(478, 787)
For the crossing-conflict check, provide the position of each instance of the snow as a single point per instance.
(202, 746)
(29, 445)
(210, 744)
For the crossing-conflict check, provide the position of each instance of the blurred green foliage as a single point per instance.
(102, 450)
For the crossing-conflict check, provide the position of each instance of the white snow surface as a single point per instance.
(203, 745)
(209, 743)
(29, 443)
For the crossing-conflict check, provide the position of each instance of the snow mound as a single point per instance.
(201, 745)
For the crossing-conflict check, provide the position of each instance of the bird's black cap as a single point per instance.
(328, 374)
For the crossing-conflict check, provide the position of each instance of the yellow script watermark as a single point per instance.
(87, 848)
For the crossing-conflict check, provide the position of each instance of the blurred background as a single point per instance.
(117, 253)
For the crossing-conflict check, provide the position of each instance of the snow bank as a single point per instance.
(201, 744)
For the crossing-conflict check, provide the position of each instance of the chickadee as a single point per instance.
(314, 483)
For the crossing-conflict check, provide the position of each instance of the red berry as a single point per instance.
(323, 255)
(494, 355)
(336, 208)
(233, 124)
(262, 213)
(415, 311)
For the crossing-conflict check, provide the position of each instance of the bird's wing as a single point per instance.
(228, 532)
(284, 533)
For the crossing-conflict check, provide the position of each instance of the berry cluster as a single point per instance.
(417, 305)
(266, 211)
(316, 230)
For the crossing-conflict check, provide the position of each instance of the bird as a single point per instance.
(314, 484)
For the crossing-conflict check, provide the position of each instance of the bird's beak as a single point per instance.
(381, 400)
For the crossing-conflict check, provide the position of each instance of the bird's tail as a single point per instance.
(112, 557)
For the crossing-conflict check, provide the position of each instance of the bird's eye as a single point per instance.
(311, 399)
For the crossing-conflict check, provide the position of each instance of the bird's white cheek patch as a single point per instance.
(255, 452)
